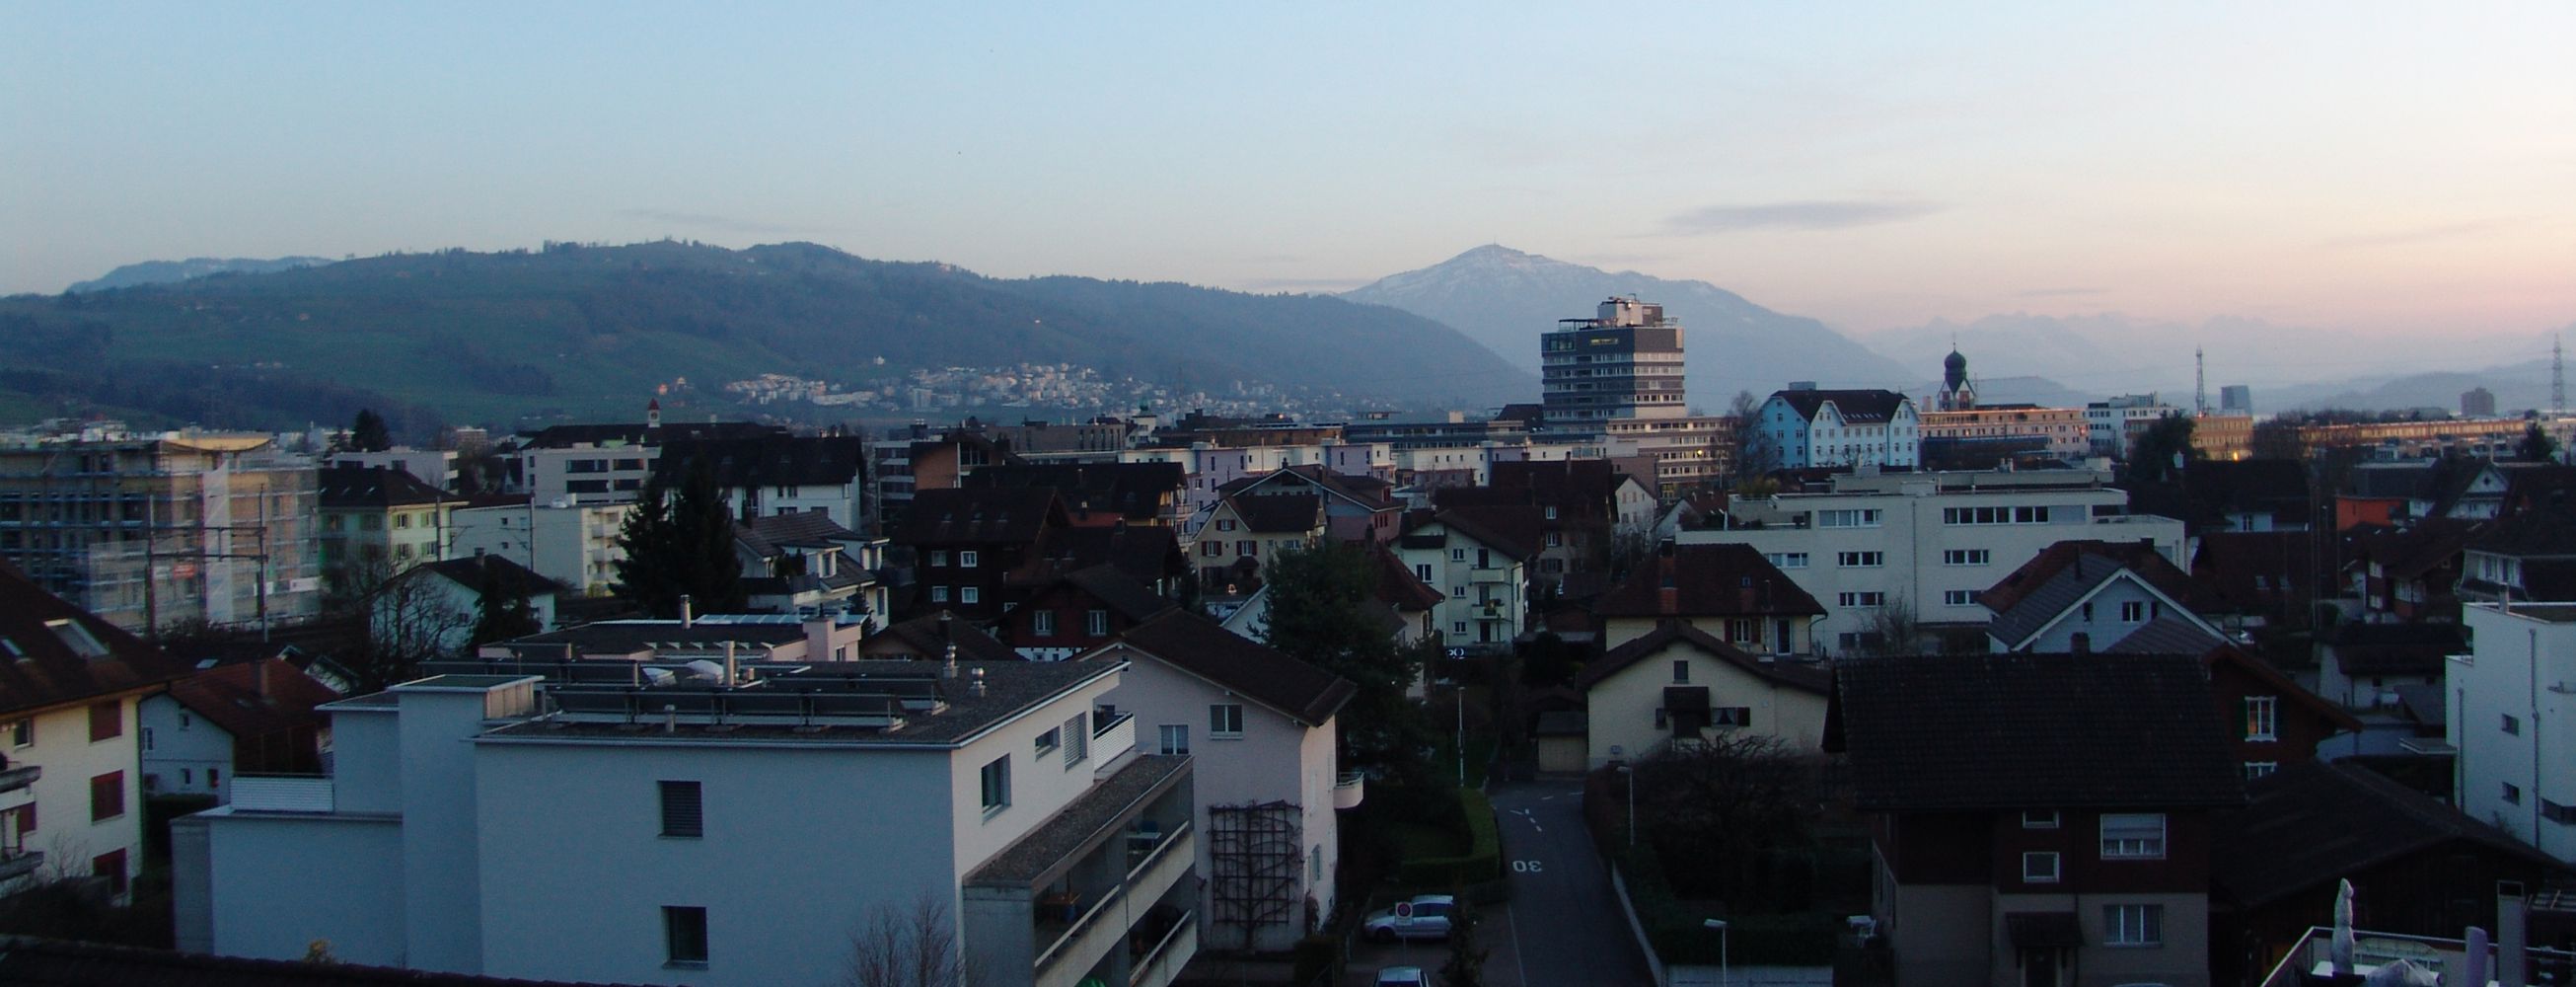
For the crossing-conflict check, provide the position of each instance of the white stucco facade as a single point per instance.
(75, 775)
(572, 544)
(183, 753)
(1623, 709)
(1485, 588)
(2509, 702)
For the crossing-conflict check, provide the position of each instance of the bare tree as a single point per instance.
(1892, 630)
(410, 619)
(914, 946)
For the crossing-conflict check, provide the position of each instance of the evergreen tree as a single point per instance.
(2537, 446)
(501, 612)
(1324, 611)
(368, 433)
(2161, 450)
(680, 542)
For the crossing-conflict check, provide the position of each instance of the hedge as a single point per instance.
(1481, 864)
(1680, 935)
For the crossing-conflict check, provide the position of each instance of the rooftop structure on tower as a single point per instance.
(1625, 362)
(1956, 393)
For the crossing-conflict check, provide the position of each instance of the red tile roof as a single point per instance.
(55, 654)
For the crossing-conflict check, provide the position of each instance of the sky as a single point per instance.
(2394, 170)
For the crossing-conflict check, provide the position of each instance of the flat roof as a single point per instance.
(1011, 688)
(2554, 613)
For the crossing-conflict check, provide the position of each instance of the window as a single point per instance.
(1077, 739)
(1042, 623)
(2039, 819)
(1681, 672)
(1175, 738)
(1225, 720)
(146, 734)
(1422, 571)
(939, 594)
(684, 936)
(2512, 794)
(997, 785)
(2512, 725)
(1048, 742)
(1959, 597)
(1458, 627)
(1967, 556)
(2133, 612)
(970, 594)
(1247, 548)
(1856, 518)
(1225, 524)
(2257, 769)
(1861, 559)
(967, 559)
(23, 733)
(110, 865)
(2039, 867)
(939, 556)
(107, 796)
(1096, 623)
(2133, 835)
(1787, 560)
(2560, 814)
(214, 777)
(2133, 925)
(1457, 592)
(2262, 716)
(1457, 555)
(106, 721)
(1995, 515)
(683, 812)
(1867, 598)
(1211, 548)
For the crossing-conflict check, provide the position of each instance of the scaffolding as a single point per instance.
(1255, 852)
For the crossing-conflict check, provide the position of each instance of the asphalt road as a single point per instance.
(1564, 919)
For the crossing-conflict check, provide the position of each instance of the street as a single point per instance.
(1563, 918)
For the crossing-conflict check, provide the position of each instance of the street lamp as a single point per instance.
(1723, 978)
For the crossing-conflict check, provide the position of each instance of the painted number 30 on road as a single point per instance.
(1525, 867)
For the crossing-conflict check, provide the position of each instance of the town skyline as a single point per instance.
(2370, 169)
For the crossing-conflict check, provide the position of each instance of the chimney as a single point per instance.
(978, 686)
(260, 676)
(948, 665)
(730, 671)
(670, 718)
(688, 613)
(2512, 921)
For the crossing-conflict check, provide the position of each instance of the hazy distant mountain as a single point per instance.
(2114, 354)
(167, 271)
(585, 331)
(2517, 388)
(1505, 298)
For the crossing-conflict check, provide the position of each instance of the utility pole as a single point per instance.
(2557, 376)
(2199, 382)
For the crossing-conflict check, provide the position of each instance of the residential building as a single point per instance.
(71, 683)
(2510, 696)
(574, 544)
(436, 467)
(606, 463)
(1925, 544)
(996, 800)
(779, 474)
(222, 722)
(1261, 728)
(2277, 723)
(1584, 505)
(2528, 557)
(2260, 578)
(1625, 362)
(966, 543)
(2409, 574)
(2363, 666)
(1214, 466)
(1672, 455)
(151, 532)
(1485, 574)
(2079, 596)
(2113, 424)
(706, 637)
(2038, 818)
(1241, 533)
(2477, 402)
(378, 522)
(1728, 591)
(805, 563)
(1357, 507)
(1677, 686)
(1805, 428)
(2062, 432)
(435, 606)
(1080, 611)
(1100, 493)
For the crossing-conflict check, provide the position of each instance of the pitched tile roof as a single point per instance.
(2170, 634)
(963, 516)
(1805, 677)
(2031, 597)
(2394, 649)
(1118, 591)
(1286, 513)
(514, 579)
(348, 487)
(1513, 531)
(2215, 487)
(927, 638)
(1707, 580)
(2309, 825)
(769, 460)
(2007, 731)
(800, 528)
(1398, 587)
(1202, 647)
(1132, 490)
(2540, 533)
(1863, 406)
(1145, 552)
(2405, 553)
(54, 654)
(253, 699)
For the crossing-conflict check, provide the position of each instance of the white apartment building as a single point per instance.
(436, 467)
(2112, 425)
(2510, 699)
(1928, 543)
(1484, 576)
(574, 544)
(1807, 428)
(1208, 468)
(741, 831)
(1261, 727)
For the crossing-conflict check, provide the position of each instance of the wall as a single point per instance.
(184, 748)
(67, 836)
(1621, 708)
(2104, 627)
(2523, 665)
(279, 883)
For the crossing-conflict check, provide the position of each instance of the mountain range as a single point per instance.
(1504, 298)
(170, 271)
(585, 331)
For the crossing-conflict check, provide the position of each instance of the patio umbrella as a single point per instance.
(2341, 951)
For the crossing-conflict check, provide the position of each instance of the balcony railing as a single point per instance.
(14, 865)
(2312, 955)
(1164, 962)
(1349, 789)
(1113, 739)
(1089, 937)
(16, 776)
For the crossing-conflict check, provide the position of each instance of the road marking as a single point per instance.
(1512, 918)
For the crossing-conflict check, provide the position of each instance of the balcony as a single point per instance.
(1101, 889)
(1349, 789)
(1116, 738)
(20, 863)
(17, 776)
(2310, 959)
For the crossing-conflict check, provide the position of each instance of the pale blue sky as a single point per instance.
(2388, 168)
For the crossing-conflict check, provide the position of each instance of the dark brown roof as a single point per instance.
(1854, 405)
(1279, 513)
(2214, 488)
(54, 654)
(927, 638)
(2548, 531)
(1195, 644)
(1367, 491)
(2394, 649)
(1398, 587)
(952, 516)
(1817, 679)
(2405, 553)
(514, 579)
(1132, 490)
(2007, 731)
(253, 699)
(769, 460)
(1515, 531)
(1707, 580)
(2310, 825)
(1118, 591)
(1147, 553)
(347, 487)
(33, 962)
(2138, 556)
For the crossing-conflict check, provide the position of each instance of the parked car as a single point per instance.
(1402, 976)
(1424, 917)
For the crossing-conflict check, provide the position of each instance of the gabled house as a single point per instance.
(929, 638)
(2246, 495)
(256, 717)
(2411, 573)
(1678, 685)
(1099, 493)
(378, 522)
(802, 563)
(1357, 507)
(1409, 603)
(966, 543)
(1262, 728)
(2256, 578)
(2087, 596)
(1806, 428)
(1727, 590)
(1079, 611)
(1484, 573)
(2531, 556)
(2274, 722)
(2362, 665)
(436, 610)
(1241, 533)
(71, 686)
(2417, 866)
(2037, 819)
(779, 474)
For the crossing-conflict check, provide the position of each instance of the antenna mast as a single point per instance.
(2199, 383)
(2557, 376)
